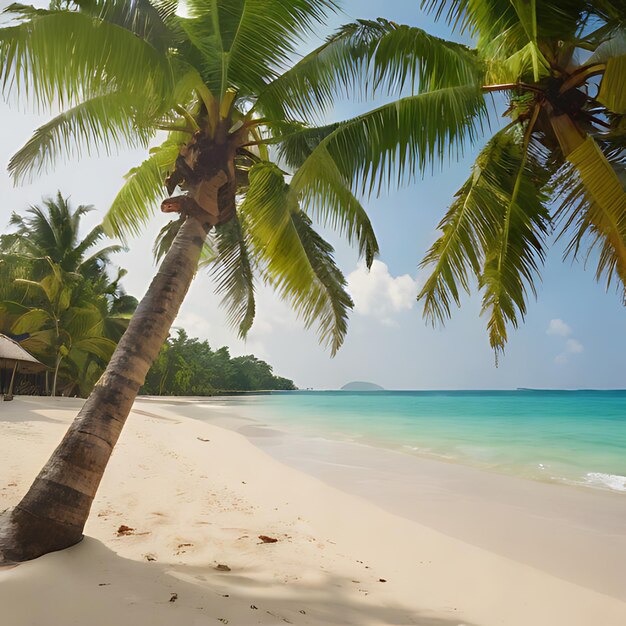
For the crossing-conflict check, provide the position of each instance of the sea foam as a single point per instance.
(612, 481)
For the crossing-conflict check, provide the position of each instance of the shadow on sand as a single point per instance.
(89, 583)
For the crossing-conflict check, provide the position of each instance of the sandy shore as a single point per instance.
(199, 495)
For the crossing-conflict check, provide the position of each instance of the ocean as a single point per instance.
(574, 437)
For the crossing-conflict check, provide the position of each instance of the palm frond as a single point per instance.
(401, 139)
(613, 45)
(333, 310)
(245, 43)
(495, 230)
(165, 238)
(290, 267)
(147, 20)
(365, 57)
(593, 207)
(612, 93)
(323, 192)
(102, 123)
(513, 258)
(232, 270)
(64, 57)
(142, 192)
(99, 346)
(515, 20)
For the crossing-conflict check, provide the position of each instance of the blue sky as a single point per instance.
(574, 335)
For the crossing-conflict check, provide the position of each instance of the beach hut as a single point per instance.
(13, 358)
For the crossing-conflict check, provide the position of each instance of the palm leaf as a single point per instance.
(232, 270)
(98, 346)
(85, 321)
(325, 193)
(368, 56)
(147, 20)
(466, 229)
(612, 92)
(142, 192)
(513, 257)
(400, 139)
(288, 263)
(166, 236)
(31, 321)
(244, 43)
(594, 205)
(332, 310)
(65, 57)
(494, 230)
(101, 123)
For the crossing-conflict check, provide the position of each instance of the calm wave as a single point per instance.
(567, 436)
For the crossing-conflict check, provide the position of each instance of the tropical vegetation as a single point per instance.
(57, 295)
(558, 166)
(237, 147)
(219, 83)
(189, 367)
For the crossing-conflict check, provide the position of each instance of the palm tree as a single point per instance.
(53, 232)
(58, 296)
(242, 157)
(60, 326)
(558, 164)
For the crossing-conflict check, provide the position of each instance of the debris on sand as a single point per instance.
(222, 568)
(266, 539)
(125, 530)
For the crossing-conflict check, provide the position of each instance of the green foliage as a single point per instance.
(122, 72)
(364, 58)
(560, 161)
(189, 367)
(57, 297)
(495, 230)
(292, 258)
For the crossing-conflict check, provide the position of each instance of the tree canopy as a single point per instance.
(127, 73)
(57, 295)
(189, 367)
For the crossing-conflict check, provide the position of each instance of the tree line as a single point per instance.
(189, 367)
(59, 297)
(62, 300)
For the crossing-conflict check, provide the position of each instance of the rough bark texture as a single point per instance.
(53, 513)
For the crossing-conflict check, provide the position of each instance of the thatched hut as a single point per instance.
(14, 359)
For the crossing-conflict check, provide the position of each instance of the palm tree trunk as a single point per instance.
(9, 394)
(53, 513)
(56, 375)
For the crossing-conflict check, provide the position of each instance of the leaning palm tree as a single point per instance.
(240, 157)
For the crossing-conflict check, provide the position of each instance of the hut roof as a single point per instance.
(11, 351)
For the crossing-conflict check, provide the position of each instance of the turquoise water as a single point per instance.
(567, 436)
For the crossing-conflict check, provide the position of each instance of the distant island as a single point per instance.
(359, 385)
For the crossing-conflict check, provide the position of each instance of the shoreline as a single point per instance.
(198, 495)
(551, 525)
(587, 474)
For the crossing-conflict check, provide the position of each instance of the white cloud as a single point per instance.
(378, 294)
(573, 345)
(559, 327)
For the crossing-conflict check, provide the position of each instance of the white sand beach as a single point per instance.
(198, 495)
